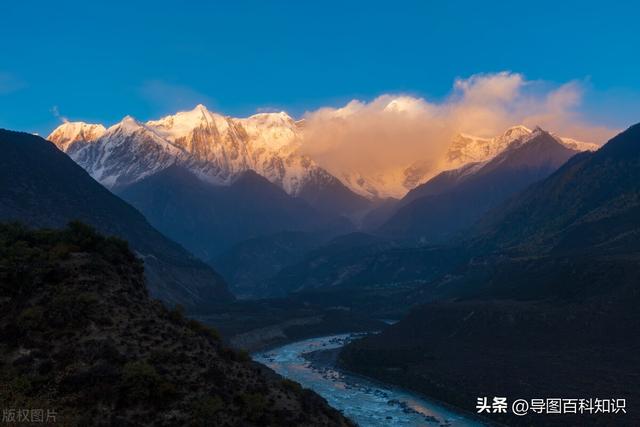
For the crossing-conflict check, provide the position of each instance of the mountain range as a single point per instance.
(211, 182)
(218, 148)
(462, 149)
(547, 290)
(590, 203)
(502, 258)
(439, 211)
(208, 219)
(455, 199)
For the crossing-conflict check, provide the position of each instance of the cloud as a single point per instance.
(10, 83)
(170, 97)
(56, 113)
(490, 88)
(379, 136)
(382, 137)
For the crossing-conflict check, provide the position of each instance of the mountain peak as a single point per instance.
(128, 124)
(272, 131)
(129, 119)
(539, 149)
(404, 104)
(577, 206)
(201, 111)
(182, 124)
(76, 125)
(200, 107)
(70, 133)
(516, 131)
(518, 140)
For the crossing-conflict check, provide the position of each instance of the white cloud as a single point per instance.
(56, 113)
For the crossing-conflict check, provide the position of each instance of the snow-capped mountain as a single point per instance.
(491, 153)
(72, 135)
(219, 148)
(216, 147)
(125, 153)
(461, 150)
(579, 145)
(455, 198)
(465, 149)
(468, 148)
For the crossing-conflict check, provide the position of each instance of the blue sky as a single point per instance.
(98, 61)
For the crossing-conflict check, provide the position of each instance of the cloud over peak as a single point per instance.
(381, 137)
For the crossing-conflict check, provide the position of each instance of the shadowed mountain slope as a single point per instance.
(42, 187)
(547, 304)
(208, 219)
(454, 200)
(591, 202)
(80, 335)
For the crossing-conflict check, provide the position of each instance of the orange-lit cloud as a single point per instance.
(383, 136)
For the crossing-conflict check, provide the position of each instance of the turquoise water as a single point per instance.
(367, 403)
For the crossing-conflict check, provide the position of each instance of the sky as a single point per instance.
(98, 61)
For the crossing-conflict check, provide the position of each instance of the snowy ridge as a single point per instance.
(218, 148)
(127, 152)
(467, 149)
(579, 145)
(464, 149)
(70, 133)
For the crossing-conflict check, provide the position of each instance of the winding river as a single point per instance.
(367, 403)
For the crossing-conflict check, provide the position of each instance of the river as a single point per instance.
(367, 403)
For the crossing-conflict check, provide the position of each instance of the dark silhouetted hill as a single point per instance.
(79, 335)
(42, 187)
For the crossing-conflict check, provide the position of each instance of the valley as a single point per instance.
(319, 214)
(476, 264)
